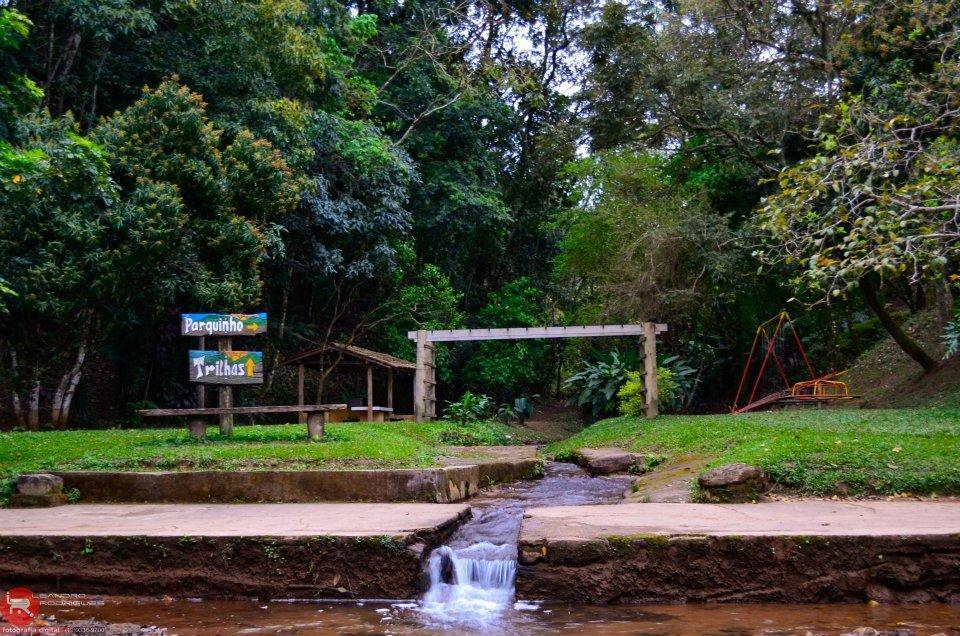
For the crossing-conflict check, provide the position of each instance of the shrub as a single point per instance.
(631, 394)
(952, 336)
(595, 387)
(519, 411)
(471, 407)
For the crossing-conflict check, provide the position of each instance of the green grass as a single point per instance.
(350, 445)
(811, 451)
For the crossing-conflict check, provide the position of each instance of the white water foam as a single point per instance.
(479, 584)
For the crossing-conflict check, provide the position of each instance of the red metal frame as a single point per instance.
(822, 388)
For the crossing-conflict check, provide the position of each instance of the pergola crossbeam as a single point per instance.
(524, 333)
(425, 380)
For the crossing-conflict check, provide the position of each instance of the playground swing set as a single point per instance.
(771, 386)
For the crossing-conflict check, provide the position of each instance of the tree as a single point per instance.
(101, 242)
(743, 76)
(881, 199)
(638, 246)
(57, 225)
(509, 368)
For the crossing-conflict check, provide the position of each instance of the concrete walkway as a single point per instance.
(230, 520)
(799, 518)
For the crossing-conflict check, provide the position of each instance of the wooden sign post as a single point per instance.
(224, 367)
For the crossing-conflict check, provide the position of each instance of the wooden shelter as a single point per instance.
(373, 363)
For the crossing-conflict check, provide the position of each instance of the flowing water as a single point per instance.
(472, 576)
(471, 591)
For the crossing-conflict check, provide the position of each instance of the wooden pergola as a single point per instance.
(425, 382)
(345, 355)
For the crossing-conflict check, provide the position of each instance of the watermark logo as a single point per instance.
(19, 607)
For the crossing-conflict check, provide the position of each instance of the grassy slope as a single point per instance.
(355, 445)
(885, 377)
(860, 451)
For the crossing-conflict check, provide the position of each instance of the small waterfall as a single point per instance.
(472, 577)
(472, 585)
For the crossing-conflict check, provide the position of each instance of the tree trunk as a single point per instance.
(72, 387)
(944, 302)
(14, 394)
(60, 409)
(33, 413)
(908, 344)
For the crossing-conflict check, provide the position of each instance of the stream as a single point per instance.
(471, 591)
(472, 576)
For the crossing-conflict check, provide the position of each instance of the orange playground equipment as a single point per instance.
(771, 386)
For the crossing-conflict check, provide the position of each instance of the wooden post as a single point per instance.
(390, 390)
(198, 427)
(201, 388)
(650, 369)
(301, 417)
(369, 393)
(430, 381)
(226, 395)
(419, 379)
(316, 424)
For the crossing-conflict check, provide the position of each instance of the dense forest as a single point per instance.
(361, 168)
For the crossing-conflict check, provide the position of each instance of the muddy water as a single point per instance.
(248, 617)
(472, 593)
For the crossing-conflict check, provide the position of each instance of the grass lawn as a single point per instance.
(353, 445)
(811, 451)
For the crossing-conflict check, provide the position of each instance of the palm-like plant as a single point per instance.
(952, 336)
(595, 386)
(471, 407)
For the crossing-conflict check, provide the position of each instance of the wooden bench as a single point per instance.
(317, 415)
(363, 413)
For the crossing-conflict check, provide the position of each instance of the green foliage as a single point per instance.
(428, 302)
(18, 93)
(638, 243)
(469, 408)
(519, 411)
(879, 196)
(951, 337)
(675, 383)
(632, 395)
(596, 385)
(505, 367)
(672, 387)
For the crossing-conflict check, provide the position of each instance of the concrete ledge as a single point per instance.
(803, 552)
(438, 485)
(496, 464)
(242, 550)
(458, 479)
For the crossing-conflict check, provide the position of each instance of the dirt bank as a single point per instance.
(744, 569)
(377, 550)
(799, 552)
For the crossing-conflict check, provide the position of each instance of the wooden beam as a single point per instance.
(369, 393)
(226, 394)
(650, 389)
(302, 417)
(390, 388)
(418, 380)
(243, 410)
(525, 333)
(201, 388)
